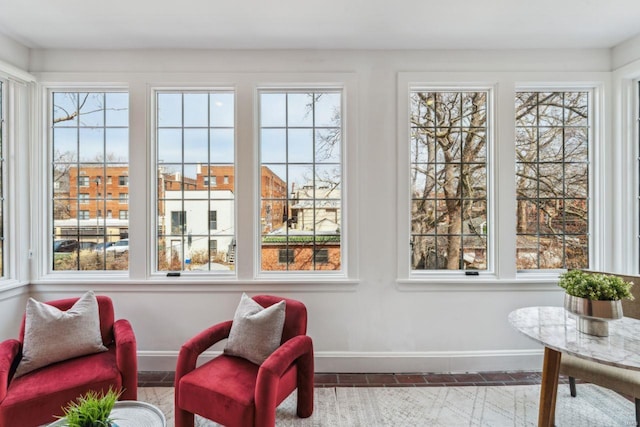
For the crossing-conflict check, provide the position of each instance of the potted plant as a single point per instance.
(92, 409)
(595, 298)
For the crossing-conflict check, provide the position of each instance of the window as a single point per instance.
(123, 198)
(124, 214)
(210, 181)
(109, 180)
(123, 181)
(448, 173)
(285, 256)
(300, 178)
(109, 214)
(552, 179)
(194, 144)
(89, 140)
(213, 247)
(321, 256)
(213, 220)
(225, 179)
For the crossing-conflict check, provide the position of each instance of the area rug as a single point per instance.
(437, 406)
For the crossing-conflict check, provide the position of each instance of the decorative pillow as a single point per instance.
(256, 331)
(52, 335)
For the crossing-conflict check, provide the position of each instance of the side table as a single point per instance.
(132, 413)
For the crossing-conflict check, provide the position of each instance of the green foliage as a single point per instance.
(595, 286)
(91, 409)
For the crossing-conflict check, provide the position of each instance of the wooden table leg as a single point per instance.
(549, 387)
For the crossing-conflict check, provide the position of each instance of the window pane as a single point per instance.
(90, 143)
(301, 180)
(552, 180)
(195, 202)
(448, 180)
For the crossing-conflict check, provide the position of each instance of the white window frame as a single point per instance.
(18, 89)
(502, 223)
(346, 203)
(43, 160)
(153, 195)
(593, 161)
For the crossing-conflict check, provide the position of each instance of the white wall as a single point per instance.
(373, 323)
(625, 53)
(13, 52)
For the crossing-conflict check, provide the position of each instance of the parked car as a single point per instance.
(100, 247)
(65, 245)
(119, 247)
(87, 246)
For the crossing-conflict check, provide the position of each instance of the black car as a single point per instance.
(65, 245)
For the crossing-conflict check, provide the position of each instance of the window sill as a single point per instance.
(489, 283)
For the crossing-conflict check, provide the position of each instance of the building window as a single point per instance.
(448, 142)
(109, 180)
(178, 222)
(213, 220)
(109, 214)
(210, 181)
(109, 196)
(194, 143)
(123, 198)
(552, 179)
(321, 256)
(213, 247)
(124, 214)
(89, 140)
(225, 179)
(300, 177)
(123, 180)
(285, 256)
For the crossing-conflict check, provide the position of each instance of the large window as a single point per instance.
(300, 179)
(448, 139)
(552, 179)
(90, 140)
(195, 141)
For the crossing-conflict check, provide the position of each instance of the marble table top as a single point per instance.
(556, 328)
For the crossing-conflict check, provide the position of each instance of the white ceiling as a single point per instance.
(320, 24)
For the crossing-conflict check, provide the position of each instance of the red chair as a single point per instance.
(38, 396)
(235, 392)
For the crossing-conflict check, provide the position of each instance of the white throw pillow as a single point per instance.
(256, 331)
(52, 335)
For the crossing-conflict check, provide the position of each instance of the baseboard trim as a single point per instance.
(386, 362)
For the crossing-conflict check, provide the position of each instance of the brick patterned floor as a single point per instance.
(165, 379)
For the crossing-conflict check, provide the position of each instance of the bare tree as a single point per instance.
(448, 176)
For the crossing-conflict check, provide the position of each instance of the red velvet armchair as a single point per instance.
(235, 392)
(38, 396)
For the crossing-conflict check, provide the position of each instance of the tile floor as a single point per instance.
(165, 379)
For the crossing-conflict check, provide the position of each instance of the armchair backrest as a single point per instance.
(105, 308)
(295, 321)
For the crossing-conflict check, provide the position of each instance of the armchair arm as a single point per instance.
(9, 352)
(126, 358)
(193, 348)
(298, 349)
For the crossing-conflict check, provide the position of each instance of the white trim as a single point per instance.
(13, 72)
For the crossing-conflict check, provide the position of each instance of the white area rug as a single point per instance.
(437, 406)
